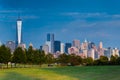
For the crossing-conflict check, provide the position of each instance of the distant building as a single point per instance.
(49, 45)
(11, 45)
(91, 53)
(19, 32)
(115, 52)
(73, 50)
(62, 48)
(108, 52)
(41, 48)
(23, 46)
(76, 43)
(50, 38)
(91, 45)
(45, 48)
(67, 45)
(57, 46)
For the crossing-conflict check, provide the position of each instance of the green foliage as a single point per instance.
(19, 56)
(103, 60)
(49, 58)
(29, 55)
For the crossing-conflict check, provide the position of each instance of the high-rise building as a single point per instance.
(49, 45)
(19, 32)
(67, 45)
(62, 48)
(100, 45)
(45, 48)
(76, 43)
(11, 45)
(50, 38)
(57, 46)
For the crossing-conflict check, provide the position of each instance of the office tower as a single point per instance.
(49, 45)
(57, 46)
(91, 45)
(11, 45)
(50, 38)
(76, 43)
(84, 45)
(100, 50)
(100, 45)
(91, 53)
(19, 32)
(67, 45)
(45, 48)
(62, 48)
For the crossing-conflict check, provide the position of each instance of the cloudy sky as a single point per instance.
(94, 20)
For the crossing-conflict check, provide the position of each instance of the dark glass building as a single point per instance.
(57, 46)
(67, 45)
(50, 38)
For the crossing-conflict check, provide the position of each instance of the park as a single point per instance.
(62, 73)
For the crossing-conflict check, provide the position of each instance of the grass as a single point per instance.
(62, 73)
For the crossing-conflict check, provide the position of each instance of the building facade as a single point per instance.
(50, 38)
(19, 32)
(57, 46)
(67, 45)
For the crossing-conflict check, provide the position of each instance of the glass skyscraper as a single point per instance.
(57, 46)
(19, 32)
(67, 45)
(50, 38)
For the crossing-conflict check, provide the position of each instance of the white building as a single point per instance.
(73, 50)
(45, 48)
(91, 53)
(115, 52)
(62, 48)
(49, 45)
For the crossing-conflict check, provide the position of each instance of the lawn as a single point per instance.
(62, 73)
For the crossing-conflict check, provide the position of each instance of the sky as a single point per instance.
(94, 20)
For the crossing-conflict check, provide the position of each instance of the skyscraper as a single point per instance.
(19, 32)
(57, 46)
(76, 43)
(67, 45)
(62, 48)
(50, 38)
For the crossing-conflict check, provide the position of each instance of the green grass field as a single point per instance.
(62, 73)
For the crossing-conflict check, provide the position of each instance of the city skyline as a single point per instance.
(75, 19)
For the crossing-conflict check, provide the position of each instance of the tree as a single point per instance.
(5, 55)
(49, 58)
(63, 59)
(118, 61)
(41, 57)
(19, 56)
(75, 60)
(89, 61)
(103, 60)
(113, 59)
(29, 55)
(36, 57)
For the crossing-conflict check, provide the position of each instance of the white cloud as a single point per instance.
(91, 15)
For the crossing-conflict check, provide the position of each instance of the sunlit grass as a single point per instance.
(62, 73)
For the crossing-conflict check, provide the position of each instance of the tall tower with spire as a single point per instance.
(19, 31)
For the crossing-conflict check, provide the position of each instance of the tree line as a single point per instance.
(32, 56)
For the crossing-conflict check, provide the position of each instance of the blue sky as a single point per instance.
(95, 20)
